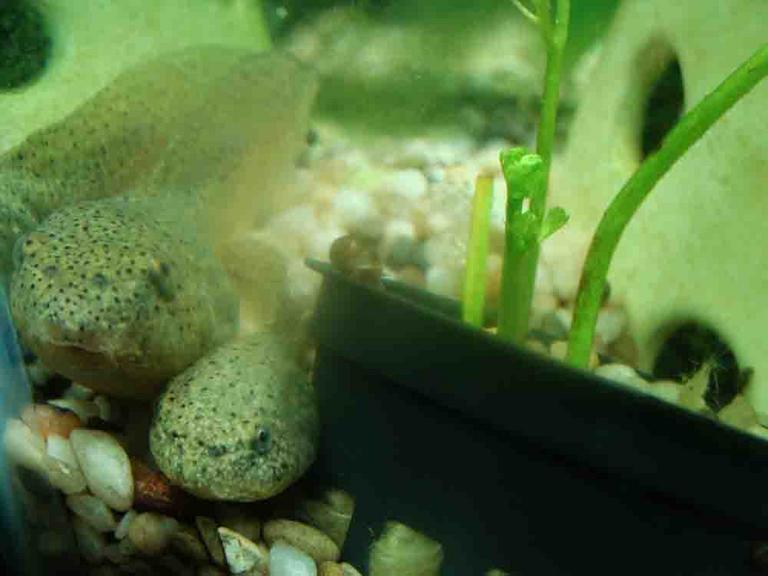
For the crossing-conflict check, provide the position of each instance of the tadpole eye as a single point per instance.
(262, 440)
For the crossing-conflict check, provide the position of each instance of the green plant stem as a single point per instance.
(513, 308)
(519, 272)
(473, 295)
(547, 123)
(623, 207)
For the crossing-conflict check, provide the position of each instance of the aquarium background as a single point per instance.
(456, 81)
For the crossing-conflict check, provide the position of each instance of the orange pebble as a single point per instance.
(153, 491)
(44, 419)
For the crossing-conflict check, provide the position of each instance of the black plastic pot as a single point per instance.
(514, 461)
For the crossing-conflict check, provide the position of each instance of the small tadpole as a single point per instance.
(356, 256)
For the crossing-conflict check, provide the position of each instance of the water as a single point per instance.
(234, 182)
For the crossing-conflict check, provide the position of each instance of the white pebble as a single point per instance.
(565, 317)
(759, 431)
(85, 409)
(355, 210)
(90, 542)
(151, 532)
(78, 392)
(104, 407)
(241, 553)
(62, 467)
(610, 324)
(60, 448)
(437, 223)
(23, 446)
(543, 306)
(286, 560)
(93, 511)
(445, 250)
(289, 229)
(404, 185)
(318, 242)
(400, 550)
(443, 281)
(106, 467)
(396, 229)
(125, 522)
(434, 174)
(622, 374)
(667, 390)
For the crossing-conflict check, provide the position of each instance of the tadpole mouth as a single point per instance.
(100, 369)
(78, 339)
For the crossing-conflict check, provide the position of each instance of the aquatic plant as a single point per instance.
(526, 174)
(527, 177)
(473, 293)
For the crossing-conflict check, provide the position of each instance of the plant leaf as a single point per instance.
(523, 172)
(524, 230)
(555, 219)
(525, 11)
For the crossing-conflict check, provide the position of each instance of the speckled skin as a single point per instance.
(123, 293)
(119, 297)
(110, 144)
(241, 424)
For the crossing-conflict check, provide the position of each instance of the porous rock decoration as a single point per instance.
(696, 250)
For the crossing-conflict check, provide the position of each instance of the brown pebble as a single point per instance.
(330, 569)
(151, 532)
(235, 519)
(624, 350)
(306, 538)
(169, 564)
(208, 531)
(331, 514)
(413, 276)
(536, 346)
(211, 570)
(187, 543)
(355, 255)
(349, 570)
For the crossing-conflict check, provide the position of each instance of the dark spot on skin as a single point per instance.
(216, 450)
(100, 280)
